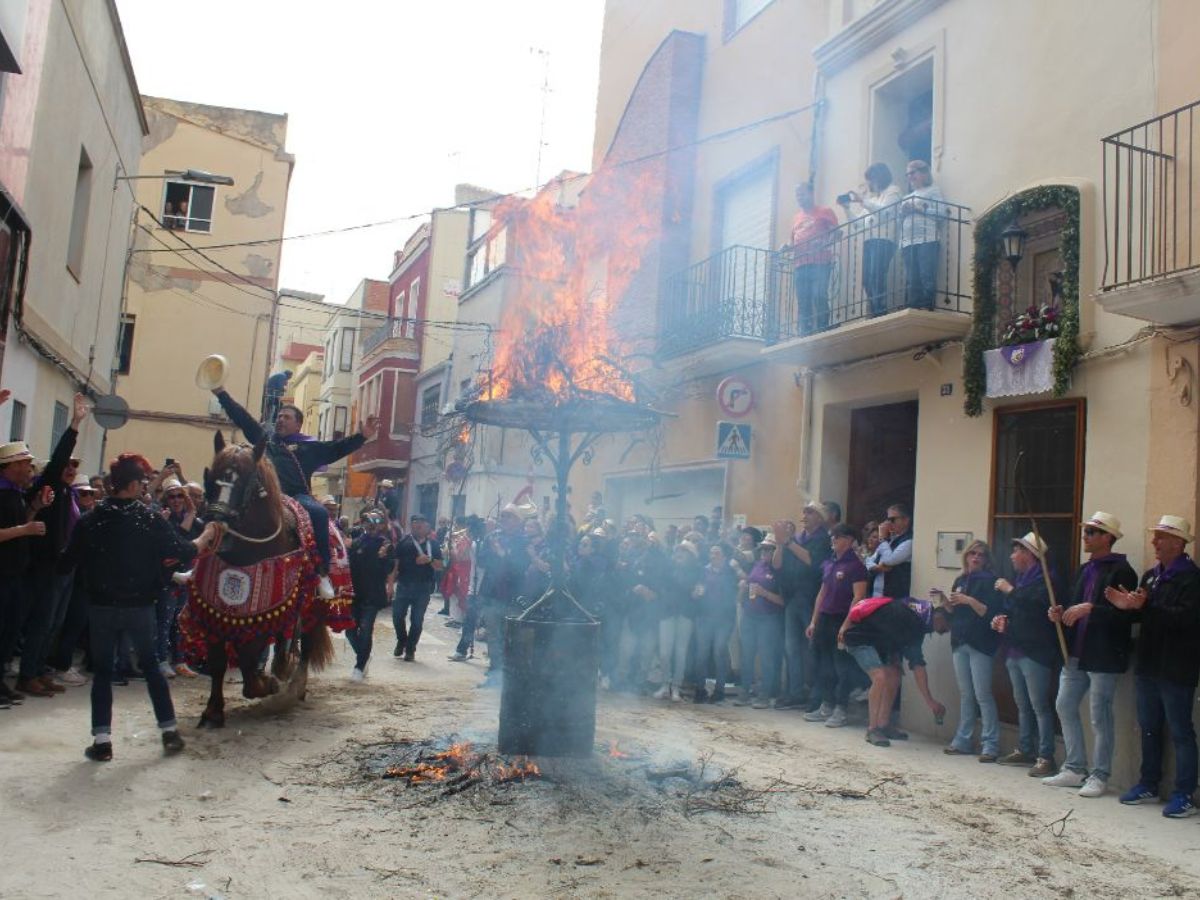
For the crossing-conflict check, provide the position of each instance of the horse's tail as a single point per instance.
(320, 652)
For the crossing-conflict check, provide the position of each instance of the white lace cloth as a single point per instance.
(1023, 369)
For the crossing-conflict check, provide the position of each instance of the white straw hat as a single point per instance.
(1105, 522)
(14, 452)
(1031, 543)
(1176, 526)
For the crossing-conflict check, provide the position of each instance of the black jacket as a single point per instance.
(369, 571)
(44, 550)
(1029, 627)
(1168, 646)
(14, 554)
(897, 581)
(1107, 631)
(504, 559)
(968, 627)
(294, 461)
(413, 579)
(119, 551)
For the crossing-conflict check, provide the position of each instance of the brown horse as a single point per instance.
(243, 494)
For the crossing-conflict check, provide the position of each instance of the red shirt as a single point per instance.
(813, 226)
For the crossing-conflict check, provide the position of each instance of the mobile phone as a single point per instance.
(170, 462)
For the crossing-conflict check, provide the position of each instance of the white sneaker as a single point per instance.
(837, 718)
(819, 715)
(325, 588)
(357, 675)
(1066, 778)
(859, 695)
(676, 697)
(70, 677)
(1095, 786)
(166, 670)
(662, 692)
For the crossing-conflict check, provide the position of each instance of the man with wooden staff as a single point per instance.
(1168, 665)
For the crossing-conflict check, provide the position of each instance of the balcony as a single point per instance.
(719, 306)
(1151, 239)
(394, 335)
(881, 283)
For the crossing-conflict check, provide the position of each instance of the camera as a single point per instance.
(843, 199)
(170, 461)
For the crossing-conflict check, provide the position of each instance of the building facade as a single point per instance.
(185, 298)
(71, 126)
(906, 390)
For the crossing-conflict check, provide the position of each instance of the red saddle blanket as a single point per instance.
(240, 603)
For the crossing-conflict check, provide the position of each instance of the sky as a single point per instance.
(390, 104)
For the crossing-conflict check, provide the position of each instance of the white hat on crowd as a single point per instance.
(521, 510)
(14, 452)
(1176, 526)
(387, 483)
(172, 484)
(689, 547)
(818, 507)
(83, 483)
(1033, 544)
(328, 500)
(1105, 522)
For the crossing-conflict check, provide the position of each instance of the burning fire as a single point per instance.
(574, 265)
(615, 752)
(461, 763)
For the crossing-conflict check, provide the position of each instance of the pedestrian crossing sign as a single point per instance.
(733, 440)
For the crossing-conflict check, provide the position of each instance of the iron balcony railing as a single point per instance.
(725, 296)
(909, 255)
(390, 329)
(1151, 195)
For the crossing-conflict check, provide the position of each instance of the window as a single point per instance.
(60, 423)
(745, 211)
(739, 12)
(902, 119)
(16, 429)
(79, 215)
(1051, 438)
(464, 387)
(481, 221)
(489, 255)
(125, 344)
(328, 360)
(341, 415)
(188, 207)
(430, 398)
(346, 358)
(414, 308)
(427, 500)
(402, 403)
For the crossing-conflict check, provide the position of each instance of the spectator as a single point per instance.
(119, 550)
(476, 532)
(1101, 637)
(62, 655)
(762, 631)
(717, 594)
(1032, 651)
(18, 528)
(800, 558)
(1168, 664)
(678, 618)
(371, 560)
(812, 259)
(973, 602)
(276, 388)
(921, 215)
(181, 514)
(878, 221)
(418, 560)
(97, 482)
(843, 583)
(504, 557)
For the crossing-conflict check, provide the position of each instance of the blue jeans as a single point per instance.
(712, 642)
(762, 637)
(796, 616)
(1073, 683)
(411, 604)
(1035, 717)
(361, 636)
(50, 599)
(1160, 701)
(138, 623)
(674, 639)
(973, 671)
(834, 667)
(320, 523)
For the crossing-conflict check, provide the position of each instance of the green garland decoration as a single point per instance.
(987, 257)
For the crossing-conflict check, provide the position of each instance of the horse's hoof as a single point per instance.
(210, 723)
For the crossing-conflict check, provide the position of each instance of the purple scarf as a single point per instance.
(1182, 563)
(1032, 575)
(6, 485)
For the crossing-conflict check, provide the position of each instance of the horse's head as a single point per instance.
(239, 479)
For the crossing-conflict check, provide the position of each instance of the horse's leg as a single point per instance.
(255, 683)
(214, 714)
(281, 665)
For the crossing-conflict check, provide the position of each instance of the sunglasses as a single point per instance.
(894, 518)
(175, 496)
(1092, 532)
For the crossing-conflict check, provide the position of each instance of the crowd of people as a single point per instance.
(819, 617)
(815, 616)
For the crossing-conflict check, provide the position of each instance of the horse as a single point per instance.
(261, 528)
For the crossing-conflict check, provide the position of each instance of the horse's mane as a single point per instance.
(241, 457)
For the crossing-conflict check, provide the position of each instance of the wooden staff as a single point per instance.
(1037, 536)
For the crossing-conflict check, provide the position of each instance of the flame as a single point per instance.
(574, 265)
(463, 762)
(615, 752)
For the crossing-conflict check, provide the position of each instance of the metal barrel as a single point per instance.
(548, 701)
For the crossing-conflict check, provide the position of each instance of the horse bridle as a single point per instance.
(225, 510)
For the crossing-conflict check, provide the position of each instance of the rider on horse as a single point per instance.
(295, 458)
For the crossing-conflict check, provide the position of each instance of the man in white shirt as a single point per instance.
(921, 214)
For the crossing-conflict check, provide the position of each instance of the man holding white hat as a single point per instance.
(1168, 664)
(1100, 637)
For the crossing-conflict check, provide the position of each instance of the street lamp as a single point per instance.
(1012, 239)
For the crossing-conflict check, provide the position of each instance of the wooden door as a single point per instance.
(883, 460)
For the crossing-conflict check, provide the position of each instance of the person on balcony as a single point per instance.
(921, 215)
(878, 222)
(812, 258)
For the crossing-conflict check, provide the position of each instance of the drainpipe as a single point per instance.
(804, 381)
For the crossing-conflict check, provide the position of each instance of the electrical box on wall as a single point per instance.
(950, 547)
